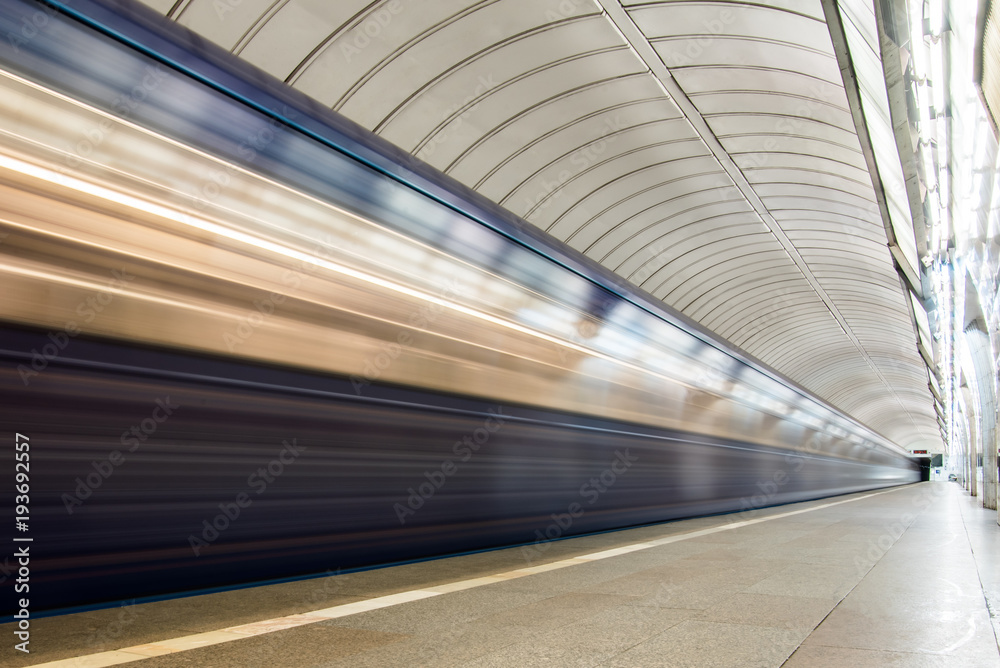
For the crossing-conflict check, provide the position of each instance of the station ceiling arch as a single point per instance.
(707, 151)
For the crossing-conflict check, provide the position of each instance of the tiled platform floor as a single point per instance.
(901, 578)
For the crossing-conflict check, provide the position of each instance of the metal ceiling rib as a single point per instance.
(705, 150)
(638, 40)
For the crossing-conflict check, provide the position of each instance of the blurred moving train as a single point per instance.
(247, 339)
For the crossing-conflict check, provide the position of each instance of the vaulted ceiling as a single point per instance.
(706, 151)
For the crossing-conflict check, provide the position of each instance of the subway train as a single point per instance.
(244, 339)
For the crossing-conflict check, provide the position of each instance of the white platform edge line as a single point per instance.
(208, 638)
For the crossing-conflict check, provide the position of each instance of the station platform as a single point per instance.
(903, 577)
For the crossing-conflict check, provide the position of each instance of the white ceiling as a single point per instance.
(706, 151)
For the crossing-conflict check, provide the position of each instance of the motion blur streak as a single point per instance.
(166, 240)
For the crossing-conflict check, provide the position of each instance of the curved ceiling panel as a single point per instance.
(706, 151)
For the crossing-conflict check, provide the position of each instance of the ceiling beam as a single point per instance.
(640, 45)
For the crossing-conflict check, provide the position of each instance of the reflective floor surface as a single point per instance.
(905, 577)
